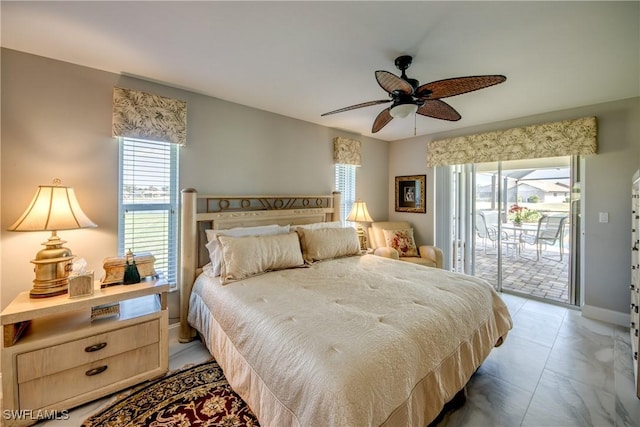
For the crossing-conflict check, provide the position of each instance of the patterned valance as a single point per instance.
(145, 116)
(566, 138)
(346, 151)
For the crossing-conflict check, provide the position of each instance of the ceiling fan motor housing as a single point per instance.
(403, 98)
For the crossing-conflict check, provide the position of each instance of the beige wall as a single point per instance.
(56, 123)
(408, 157)
(606, 268)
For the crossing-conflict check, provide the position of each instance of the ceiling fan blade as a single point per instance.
(456, 86)
(353, 107)
(438, 110)
(381, 121)
(391, 83)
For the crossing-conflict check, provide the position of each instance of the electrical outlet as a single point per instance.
(604, 217)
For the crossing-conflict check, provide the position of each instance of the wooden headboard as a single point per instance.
(201, 212)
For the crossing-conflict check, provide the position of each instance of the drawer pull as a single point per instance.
(95, 347)
(96, 371)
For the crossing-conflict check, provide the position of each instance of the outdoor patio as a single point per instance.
(546, 278)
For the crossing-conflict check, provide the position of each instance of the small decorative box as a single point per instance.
(114, 268)
(105, 310)
(81, 285)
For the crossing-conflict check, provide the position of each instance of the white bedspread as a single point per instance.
(359, 341)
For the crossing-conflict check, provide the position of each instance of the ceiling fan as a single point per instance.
(409, 98)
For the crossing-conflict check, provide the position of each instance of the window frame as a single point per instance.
(170, 207)
(345, 181)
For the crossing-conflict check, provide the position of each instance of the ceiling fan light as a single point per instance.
(403, 110)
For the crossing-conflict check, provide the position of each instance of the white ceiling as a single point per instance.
(301, 59)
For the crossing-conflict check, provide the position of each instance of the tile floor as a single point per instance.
(556, 368)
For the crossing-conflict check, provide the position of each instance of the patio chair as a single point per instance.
(486, 228)
(550, 230)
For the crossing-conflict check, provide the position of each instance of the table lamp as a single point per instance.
(53, 208)
(359, 214)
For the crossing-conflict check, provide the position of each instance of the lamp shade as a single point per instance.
(54, 207)
(359, 213)
(403, 110)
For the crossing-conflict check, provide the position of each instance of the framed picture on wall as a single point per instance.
(410, 193)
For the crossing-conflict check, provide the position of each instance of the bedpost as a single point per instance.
(188, 253)
(337, 205)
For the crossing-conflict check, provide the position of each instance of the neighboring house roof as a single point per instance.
(547, 186)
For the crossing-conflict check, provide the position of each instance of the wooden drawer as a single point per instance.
(38, 393)
(59, 358)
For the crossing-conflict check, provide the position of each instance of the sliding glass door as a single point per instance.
(515, 224)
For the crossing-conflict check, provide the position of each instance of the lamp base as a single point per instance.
(52, 267)
(51, 290)
(362, 237)
(52, 277)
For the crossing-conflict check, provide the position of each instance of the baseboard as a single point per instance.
(604, 315)
(174, 331)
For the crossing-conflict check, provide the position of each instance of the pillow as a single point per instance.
(319, 225)
(252, 255)
(402, 241)
(212, 235)
(207, 270)
(326, 243)
(215, 253)
(315, 226)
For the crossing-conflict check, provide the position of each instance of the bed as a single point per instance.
(310, 332)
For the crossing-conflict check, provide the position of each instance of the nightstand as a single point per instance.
(54, 357)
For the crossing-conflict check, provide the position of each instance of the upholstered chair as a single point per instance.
(394, 239)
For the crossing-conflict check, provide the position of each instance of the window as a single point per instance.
(148, 202)
(346, 185)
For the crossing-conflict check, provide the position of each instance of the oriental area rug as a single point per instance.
(196, 396)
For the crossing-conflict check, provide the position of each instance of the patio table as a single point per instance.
(516, 230)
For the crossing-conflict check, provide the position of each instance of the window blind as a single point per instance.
(346, 185)
(148, 202)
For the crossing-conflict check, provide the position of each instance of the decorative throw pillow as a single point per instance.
(402, 241)
(326, 243)
(213, 246)
(248, 256)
